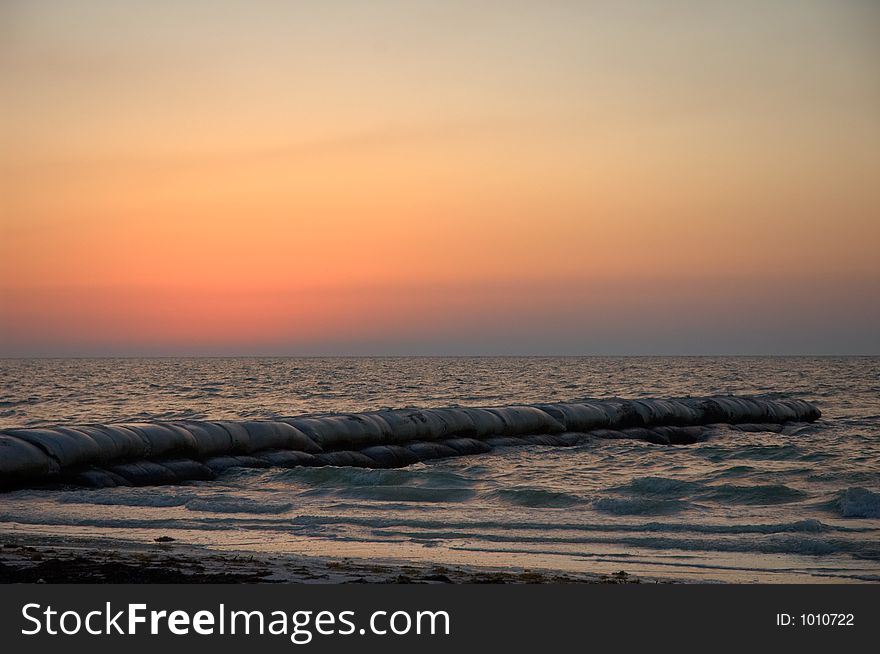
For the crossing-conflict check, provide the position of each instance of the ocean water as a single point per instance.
(800, 505)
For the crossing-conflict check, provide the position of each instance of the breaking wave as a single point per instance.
(859, 502)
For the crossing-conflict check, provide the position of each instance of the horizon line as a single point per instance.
(5, 357)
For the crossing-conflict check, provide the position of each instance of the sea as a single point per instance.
(802, 505)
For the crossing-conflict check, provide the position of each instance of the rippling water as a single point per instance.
(799, 505)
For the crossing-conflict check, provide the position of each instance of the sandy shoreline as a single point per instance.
(54, 559)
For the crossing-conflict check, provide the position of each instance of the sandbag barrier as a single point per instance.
(138, 454)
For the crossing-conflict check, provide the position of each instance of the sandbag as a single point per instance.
(680, 435)
(255, 435)
(286, 458)
(647, 435)
(608, 434)
(241, 439)
(165, 438)
(544, 439)
(20, 460)
(219, 464)
(343, 431)
(69, 448)
(572, 438)
(578, 416)
(344, 458)
(711, 412)
(390, 456)
(806, 412)
(269, 434)
(486, 423)
(126, 444)
(519, 420)
(455, 421)
(505, 441)
(102, 455)
(681, 413)
(144, 473)
(626, 414)
(666, 412)
(649, 413)
(732, 410)
(95, 478)
(315, 428)
(210, 438)
(187, 469)
(464, 446)
(426, 451)
(408, 425)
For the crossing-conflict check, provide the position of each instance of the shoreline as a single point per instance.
(64, 560)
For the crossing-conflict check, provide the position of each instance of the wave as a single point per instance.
(418, 494)
(639, 506)
(338, 477)
(436, 528)
(801, 544)
(375, 522)
(788, 452)
(859, 502)
(212, 504)
(536, 498)
(659, 491)
(150, 453)
(762, 495)
(231, 504)
(659, 486)
(134, 498)
(734, 471)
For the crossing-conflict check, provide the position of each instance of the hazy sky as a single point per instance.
(208, 177)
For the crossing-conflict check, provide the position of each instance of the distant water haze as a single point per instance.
(439, 177)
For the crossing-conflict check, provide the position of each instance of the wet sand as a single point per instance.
(47, 559)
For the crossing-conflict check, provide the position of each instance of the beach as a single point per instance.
(775, 503)
(53, 560)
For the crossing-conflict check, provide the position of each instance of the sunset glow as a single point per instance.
(347, 177)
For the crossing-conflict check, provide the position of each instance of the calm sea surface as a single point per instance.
(797, 506)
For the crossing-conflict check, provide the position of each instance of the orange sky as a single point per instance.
(344, 177)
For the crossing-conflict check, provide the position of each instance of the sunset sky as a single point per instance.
(390, 177)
